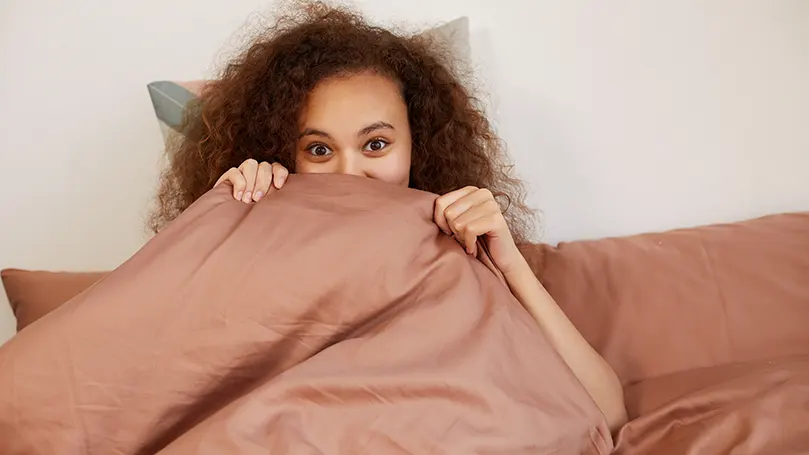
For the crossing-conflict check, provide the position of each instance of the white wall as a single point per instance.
(625, 116)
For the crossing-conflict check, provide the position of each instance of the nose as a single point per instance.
(351, 164)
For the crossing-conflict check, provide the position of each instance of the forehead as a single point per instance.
(345, 101)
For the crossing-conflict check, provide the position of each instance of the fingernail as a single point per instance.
(259, 194)
(279, 183)
(239, 195)
(247, 196)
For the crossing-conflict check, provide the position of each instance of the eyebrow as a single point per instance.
(375, 126)
(366, 130)
(314, 132)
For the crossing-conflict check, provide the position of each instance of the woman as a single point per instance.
(325, 92)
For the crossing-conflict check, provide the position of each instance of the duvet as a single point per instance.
(332, 317)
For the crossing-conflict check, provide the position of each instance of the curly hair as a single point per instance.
(251, 110)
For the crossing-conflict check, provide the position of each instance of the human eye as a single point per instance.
(375, 145)
(319, 151)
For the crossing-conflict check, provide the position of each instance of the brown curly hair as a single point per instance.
(251, 110)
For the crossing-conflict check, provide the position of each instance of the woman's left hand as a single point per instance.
(471, 212)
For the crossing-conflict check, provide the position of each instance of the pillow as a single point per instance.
(33, 294)
(170, 98)
(656, 304)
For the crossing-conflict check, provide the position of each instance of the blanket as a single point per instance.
(332, 317)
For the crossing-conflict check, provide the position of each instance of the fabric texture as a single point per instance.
(170, 98)
(656, 304)
(705, 326)
(753, 408)
(331, 317)
(33, 293)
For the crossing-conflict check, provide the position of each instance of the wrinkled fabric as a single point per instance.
(754, 408)
(332, 317)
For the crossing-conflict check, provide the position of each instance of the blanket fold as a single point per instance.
(331, 317)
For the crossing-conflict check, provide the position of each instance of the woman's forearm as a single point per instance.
(597, 377)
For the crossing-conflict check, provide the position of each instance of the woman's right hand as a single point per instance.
(251, 180)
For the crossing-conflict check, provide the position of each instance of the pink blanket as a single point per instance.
(333, 317)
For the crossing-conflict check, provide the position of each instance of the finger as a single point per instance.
(466, 202)
(465, 237)
(279, 175)
(462, 225)
(263, 180)
(479, 220)
(235, 177)
(249, 170)
(471, 243)
(443, 202)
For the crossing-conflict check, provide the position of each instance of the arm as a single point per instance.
(597, 377)
(471, 212)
